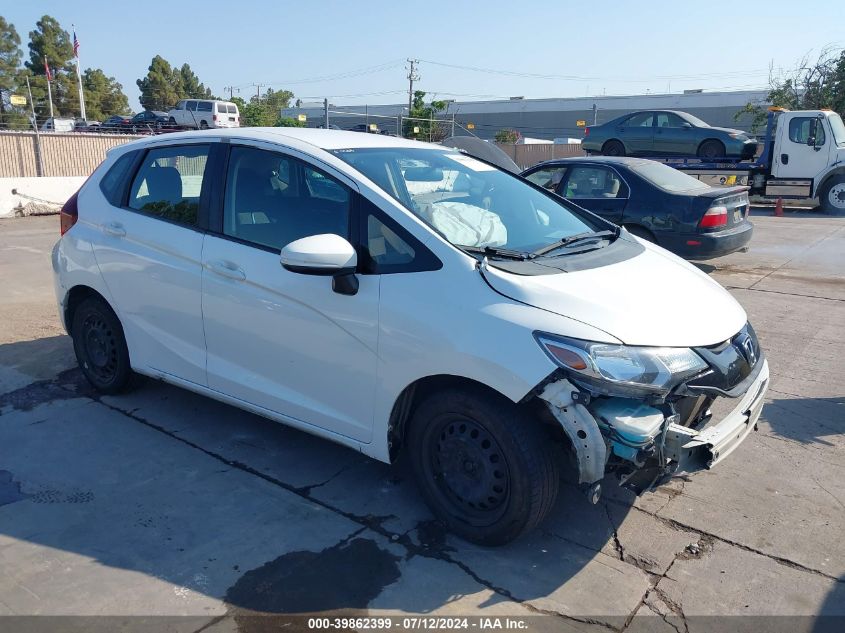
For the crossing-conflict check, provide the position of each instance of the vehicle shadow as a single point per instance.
(831, 616)
(807, 420)
(209, 503)
(24, 362)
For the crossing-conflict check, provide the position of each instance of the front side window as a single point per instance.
(169, 182)
(668, 119)
(594, 182)
(800, 129)
(548, 177)
(272, 199)
(469, 202)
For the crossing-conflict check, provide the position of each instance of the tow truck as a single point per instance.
(803, 157)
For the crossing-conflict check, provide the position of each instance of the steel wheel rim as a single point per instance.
(100, 348)
(470, 470)
(836, 196)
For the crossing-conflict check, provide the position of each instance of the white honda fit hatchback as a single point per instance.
(395, 297)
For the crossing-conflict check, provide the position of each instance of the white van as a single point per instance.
(205, 113)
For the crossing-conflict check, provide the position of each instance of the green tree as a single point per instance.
(811, 85)
(507, 136)
(162, 87)
(103, 95)
(51, 44)
(266, 111)
(423, 119)
(192, 87)
(10, 61)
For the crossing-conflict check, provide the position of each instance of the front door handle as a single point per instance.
(114, 229)
(784, 159)
(227, 269)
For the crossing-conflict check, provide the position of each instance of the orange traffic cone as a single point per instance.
(779, 208)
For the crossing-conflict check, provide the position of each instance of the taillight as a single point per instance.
(586, 131)
(69, 214)
(715, 216)
(213, 117)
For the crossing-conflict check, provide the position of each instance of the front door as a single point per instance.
(284, 341)
(149, 256)
(795, 158)
(671, 136)
(598, 189)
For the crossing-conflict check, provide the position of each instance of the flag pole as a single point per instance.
(79, 75)
(50, 99)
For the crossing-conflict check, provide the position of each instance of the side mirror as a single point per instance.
(813, 135)
(326, 254)
(686, 125)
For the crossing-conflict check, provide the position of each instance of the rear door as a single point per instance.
(597, 188)
(637, 132)
(150, 258)
(278, 340)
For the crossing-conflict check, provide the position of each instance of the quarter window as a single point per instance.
(272, 199)
(800, 128)
(169, 182)
(113, 184)
(594, 182)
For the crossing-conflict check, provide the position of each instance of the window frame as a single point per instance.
(216, 217)
(809, 120)
(564, 168)
(572, 167)
(202, 212)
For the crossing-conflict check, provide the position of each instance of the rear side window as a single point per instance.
(204, 106)
(594, 182)
(548, 177)
(113, 184)
(169, 182)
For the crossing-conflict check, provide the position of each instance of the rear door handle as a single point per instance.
(114, 229)
(227, 269)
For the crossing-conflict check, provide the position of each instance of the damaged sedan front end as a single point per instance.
(644, 413)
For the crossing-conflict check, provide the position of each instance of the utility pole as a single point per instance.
(412, 77)
(258, 88)
(39, 160)
(231, 90)
(326, 113)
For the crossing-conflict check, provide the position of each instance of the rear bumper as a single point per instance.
(708, 245)
(695, 450)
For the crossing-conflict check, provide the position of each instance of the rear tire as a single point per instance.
(832, 197)
(203, 125)
(172, 121)
(484, 467)
(711, 149)
(613, 148)
(100, 347)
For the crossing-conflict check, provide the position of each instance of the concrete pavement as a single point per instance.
(161, 502)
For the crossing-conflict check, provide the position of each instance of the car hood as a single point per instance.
(654, 298)
(728, 130)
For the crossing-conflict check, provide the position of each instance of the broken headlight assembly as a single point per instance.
(622, 370)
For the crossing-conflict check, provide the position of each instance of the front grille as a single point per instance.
(730, 362)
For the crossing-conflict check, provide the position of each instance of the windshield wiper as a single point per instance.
(579, 237)
(495, 251)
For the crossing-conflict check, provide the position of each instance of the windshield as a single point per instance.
(838, 129)
(694, 120)
(469, 202)
(666, 177)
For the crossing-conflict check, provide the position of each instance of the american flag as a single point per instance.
(75, 45)
(47, 71)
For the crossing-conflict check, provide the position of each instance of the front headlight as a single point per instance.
(622, 370)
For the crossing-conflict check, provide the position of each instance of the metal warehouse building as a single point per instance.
(547, 118)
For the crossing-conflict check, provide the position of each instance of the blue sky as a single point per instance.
(335, 49)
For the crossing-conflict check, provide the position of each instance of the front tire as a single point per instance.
(100, 347)
(484, 467)
(832, 197)
(711, 149)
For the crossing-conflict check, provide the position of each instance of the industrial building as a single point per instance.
(544, 118)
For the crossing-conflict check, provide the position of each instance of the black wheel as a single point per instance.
(643, 233)
(832, 196)
(101, 347)
(172, 121)
(613, 148)
(484, 467)
(203, 125)
(711, 149)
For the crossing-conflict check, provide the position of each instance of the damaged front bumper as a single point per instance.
(603, 443)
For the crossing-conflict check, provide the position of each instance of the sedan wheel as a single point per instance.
(711, 149)
(613, 148)
(100, 347)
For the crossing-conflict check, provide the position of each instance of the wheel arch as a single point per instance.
(75, 296)
(711, 139)
(825, 180)
(416, 392)
(613, 139)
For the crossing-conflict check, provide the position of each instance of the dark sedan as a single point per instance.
(115, 123)
(653, 201)
(666, 133)
(148, 120)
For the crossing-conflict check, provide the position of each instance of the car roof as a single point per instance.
(610, 160)
(294, 136)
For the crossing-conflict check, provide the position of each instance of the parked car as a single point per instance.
(654, 202)
(483, 326)
(205, 113)
(56, 124)
(148, 120)
(666, 133)
(115, 123)
(81, 125)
